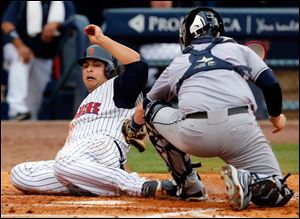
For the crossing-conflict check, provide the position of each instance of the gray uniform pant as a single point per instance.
(237, 139)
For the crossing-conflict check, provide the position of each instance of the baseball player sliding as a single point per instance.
(91, 161)
(215, 115)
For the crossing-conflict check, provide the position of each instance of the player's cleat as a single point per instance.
(194, 189)
(196, 197)
(21, 117)
(238, 186)
(271, 191)
(156, 188)
(171, 189)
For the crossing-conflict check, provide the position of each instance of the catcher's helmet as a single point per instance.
(98, 53)
(198, 22)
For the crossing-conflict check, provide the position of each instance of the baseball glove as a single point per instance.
(133, 137)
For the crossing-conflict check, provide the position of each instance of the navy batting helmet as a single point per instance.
(199, 22)
(98, 53)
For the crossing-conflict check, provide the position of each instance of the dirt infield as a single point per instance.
(29, 141)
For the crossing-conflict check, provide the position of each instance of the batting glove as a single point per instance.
(134, 136)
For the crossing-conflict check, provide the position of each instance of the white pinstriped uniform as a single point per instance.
(89, 162)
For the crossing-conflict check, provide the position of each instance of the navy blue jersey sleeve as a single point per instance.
(130, 84)
(266, 79)
(14, 13)
(272, 92)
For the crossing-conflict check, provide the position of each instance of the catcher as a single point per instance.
(215, 115)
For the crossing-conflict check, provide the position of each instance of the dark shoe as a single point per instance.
(151, 188)
(238, 186)
(271, 191)
(193, 188)
(156, 188)
(21, 117)
(171, 189)
(196, 197)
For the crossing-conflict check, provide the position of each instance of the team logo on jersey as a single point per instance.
(91, 108)
(205, 62)
(90, 51)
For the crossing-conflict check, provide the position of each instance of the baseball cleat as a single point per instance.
(238, 186)
(156, 188)
(175, 192)
(151, 188)
(197, 191)
(199, 196)
(21, 117)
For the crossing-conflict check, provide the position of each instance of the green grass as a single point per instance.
(288, 157)
(150, 162)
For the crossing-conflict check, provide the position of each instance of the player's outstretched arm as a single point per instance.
(278, 122)
(134, 130)
(122, 53)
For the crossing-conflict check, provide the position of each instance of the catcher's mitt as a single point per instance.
(132, 137)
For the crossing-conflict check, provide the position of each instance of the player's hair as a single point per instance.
(198, 22)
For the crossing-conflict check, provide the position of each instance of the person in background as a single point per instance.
(158, 51)
(31, 34)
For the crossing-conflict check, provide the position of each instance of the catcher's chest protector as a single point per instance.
(204, 60)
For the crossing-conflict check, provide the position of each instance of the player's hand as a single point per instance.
(50, 31)
(278, 122)
(134, 137)
(25, 53)
(94, 33)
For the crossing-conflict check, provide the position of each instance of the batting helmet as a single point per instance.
(98, 53)
(198, 22)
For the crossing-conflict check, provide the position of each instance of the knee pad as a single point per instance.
(266, 192)
(152, 108)
(156, 138)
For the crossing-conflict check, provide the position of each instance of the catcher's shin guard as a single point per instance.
(178, 163)
(270, 191)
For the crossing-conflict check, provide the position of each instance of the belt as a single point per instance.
(231, 111)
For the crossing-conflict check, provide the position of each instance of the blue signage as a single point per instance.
(245, 22)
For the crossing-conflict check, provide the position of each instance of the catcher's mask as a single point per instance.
(98, 53)
(199, 22)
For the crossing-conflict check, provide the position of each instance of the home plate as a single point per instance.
(97, 202)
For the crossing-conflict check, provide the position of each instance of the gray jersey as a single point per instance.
(210, 90)
(232, 135)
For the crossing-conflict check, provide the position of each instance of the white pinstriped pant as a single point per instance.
(86, 172)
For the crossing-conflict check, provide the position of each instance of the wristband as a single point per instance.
(13, 35)
(134, 126)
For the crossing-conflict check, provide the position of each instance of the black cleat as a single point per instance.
(21, 117)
